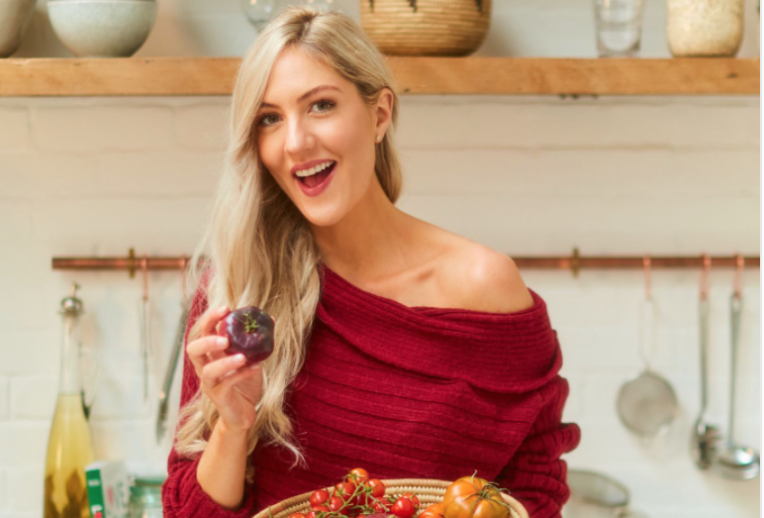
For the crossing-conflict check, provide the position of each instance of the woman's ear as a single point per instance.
(384, 111)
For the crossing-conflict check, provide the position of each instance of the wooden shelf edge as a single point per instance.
(184, 76)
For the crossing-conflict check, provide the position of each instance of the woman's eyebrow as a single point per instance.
(305, 95)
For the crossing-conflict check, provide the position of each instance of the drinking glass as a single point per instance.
(619, 27)
(259, 12)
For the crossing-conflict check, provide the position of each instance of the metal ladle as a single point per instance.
(705, 436)
(736, 462)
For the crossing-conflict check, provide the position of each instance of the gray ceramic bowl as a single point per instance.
(15, 16)
(102, 28)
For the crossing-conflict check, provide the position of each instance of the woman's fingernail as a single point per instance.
(221, 341)
(222, 309)
(239, 358)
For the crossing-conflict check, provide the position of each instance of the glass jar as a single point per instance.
(704, 28)
(146, 497)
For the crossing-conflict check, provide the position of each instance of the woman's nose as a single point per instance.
(298, 138)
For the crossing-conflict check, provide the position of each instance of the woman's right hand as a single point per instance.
(232, 387)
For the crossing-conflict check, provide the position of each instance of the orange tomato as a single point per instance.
(474, 497)
(432, 511)
(358, 475)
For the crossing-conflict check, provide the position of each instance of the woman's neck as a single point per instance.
(373, 242)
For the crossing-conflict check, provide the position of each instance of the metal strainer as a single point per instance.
(647, 404)
(596, 495)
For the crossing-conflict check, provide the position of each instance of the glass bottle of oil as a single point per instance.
(70, 446)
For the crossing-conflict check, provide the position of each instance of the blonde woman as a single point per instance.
(400, 347)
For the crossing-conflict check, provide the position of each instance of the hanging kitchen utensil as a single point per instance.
(172, 361)
(647, 404)
(736, 462)
(704, 436)
(145, 310)
(597, 488)
(596, 495)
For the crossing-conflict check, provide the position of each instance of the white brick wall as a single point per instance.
(613, 175)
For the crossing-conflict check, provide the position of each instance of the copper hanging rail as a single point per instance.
(574, 262)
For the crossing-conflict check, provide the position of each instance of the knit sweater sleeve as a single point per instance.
(536, 475)
(182, 496)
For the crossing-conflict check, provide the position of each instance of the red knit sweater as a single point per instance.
(409, 392)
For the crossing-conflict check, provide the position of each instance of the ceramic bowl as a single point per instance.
(102, 28)
(15, 16)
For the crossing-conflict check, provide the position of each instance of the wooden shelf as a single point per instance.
(414, 75)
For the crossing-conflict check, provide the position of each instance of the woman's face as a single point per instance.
(327, 124)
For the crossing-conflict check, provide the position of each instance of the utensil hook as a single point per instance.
(703, 309)
(183, 263)
(704, 277)
(648, 290)
(145, 270)
(647, 356)
(738, 282)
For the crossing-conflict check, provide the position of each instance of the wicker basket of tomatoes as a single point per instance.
(359, 496)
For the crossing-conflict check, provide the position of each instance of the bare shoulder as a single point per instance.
(487, 280)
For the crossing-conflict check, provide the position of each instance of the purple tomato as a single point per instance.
(250, 332)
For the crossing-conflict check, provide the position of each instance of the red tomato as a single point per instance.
(358, 475)
(345, 489)
(296, 515)
(319, 497)
(321, 509)
(362, 498)
(336, 503)
(414, 499)
(378, 488)
(403, 508)
(311, 514)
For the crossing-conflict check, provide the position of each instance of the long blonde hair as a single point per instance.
(257, 243)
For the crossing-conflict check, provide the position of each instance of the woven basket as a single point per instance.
(429, 491)
(436, 28)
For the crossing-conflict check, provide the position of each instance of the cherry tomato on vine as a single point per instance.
(414, 499)
(358, 475)
(403, 508)
(319, 497)
(345, 489)
(311, 514)
(378, 488)
(336, 503)
(296, 515)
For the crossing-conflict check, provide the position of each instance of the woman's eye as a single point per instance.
(329, 104)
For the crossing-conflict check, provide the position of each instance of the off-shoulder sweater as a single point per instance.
(408, 392)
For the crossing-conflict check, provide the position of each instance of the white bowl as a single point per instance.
(102, 28)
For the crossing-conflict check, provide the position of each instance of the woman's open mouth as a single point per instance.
(315, 184)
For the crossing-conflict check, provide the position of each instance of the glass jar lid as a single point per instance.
(147, 489)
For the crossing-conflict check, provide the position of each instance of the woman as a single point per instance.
(399, 347)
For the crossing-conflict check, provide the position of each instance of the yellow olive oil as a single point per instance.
(69, 451)
(70, 445)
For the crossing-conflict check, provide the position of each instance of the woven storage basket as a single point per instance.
(429, 491)
(436, 28)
